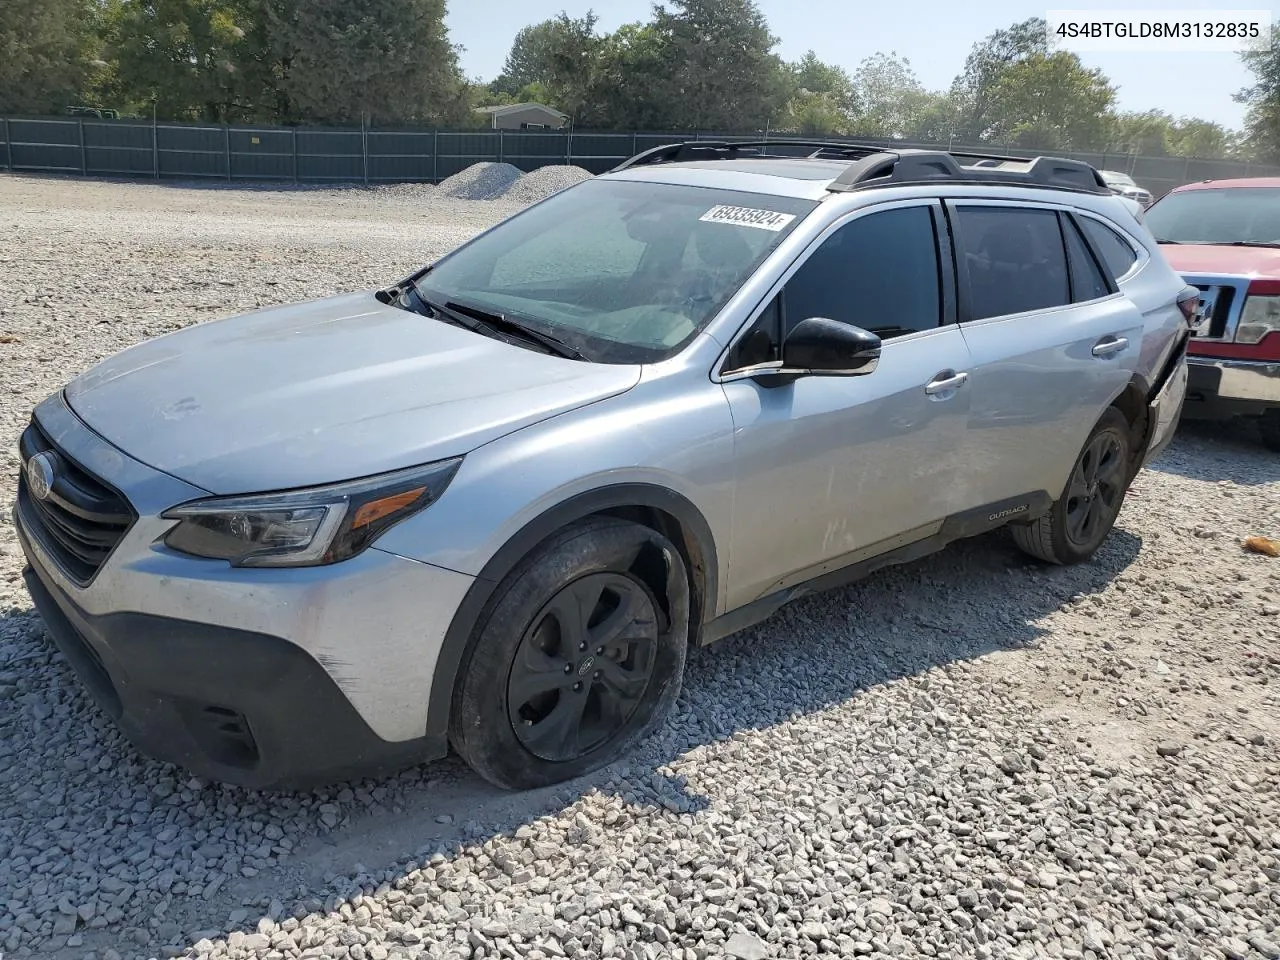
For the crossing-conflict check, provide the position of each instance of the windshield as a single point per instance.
(623, 272)
(1234, 215)
(1117, 179)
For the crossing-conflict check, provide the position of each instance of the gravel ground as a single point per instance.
(971, 756)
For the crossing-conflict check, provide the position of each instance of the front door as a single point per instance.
(831, 469)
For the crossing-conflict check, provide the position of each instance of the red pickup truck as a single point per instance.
(1223, 236)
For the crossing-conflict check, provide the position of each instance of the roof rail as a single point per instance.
(730, 149)
(877, 166)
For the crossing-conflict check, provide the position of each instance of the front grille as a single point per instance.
(1216, 301)
(81, 520)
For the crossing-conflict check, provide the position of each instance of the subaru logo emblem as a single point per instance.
(587, 664)
(40, 474)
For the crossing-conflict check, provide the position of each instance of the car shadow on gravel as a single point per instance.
(1210, 450)
(171, 860)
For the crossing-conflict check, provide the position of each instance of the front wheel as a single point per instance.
(1082, 518)
(580, 655)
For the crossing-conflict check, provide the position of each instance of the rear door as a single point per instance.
(1052, 340)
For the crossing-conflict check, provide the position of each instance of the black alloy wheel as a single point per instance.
(582, 666)
(1097, 488)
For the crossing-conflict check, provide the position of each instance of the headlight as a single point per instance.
(305, 528)
(1261, 315)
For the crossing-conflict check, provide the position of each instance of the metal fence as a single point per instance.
(137, 148)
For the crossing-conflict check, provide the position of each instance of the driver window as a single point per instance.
(879, 272)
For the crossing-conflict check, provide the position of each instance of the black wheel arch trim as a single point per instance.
(624, 500)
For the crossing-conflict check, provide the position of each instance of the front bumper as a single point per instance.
(1223, 388)
(267, 678)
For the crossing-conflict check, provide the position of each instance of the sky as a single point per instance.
(935, 35)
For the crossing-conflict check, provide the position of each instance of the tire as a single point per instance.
(1269, 427)
(603, 604)
(1081, 519)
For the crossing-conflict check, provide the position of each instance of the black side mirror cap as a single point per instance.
(821, 346)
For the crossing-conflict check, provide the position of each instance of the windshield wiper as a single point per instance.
(1173, 242)
(1249, 243)
(501, 321)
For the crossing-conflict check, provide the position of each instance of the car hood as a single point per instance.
(325, 391)
(1263, 262)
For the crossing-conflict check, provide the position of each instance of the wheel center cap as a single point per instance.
(586, 665)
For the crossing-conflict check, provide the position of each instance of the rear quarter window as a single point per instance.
(1117, 253)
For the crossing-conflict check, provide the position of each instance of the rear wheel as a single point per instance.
(1269, 427)
(580, 656)
(1082, 518)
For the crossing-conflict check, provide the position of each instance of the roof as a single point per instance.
(757, 167)
(801, 179)
(1269, 182)
(509, 108)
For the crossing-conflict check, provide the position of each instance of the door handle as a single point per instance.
(946, 384)
(1109, 348)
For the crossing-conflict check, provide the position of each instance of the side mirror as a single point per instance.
(829, 347)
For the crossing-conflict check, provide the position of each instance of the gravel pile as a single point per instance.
(971, 756)
(483, 181)
(545, 182)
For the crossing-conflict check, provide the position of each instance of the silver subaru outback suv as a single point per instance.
(493, 504)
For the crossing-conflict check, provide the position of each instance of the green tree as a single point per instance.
(631, 81)
(815, 114)
(48, 53)
(389, 61)
(975, 90)
(1051, 102)
(820, 100)
(893, 102)
(561, 57)
(1262, 97)
(1145, 133)
(1193, 137)
(560, 54)
(721, 71)
(193, 59)
(813, 76)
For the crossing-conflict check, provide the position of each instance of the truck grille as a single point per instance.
(80, 520)
(1221, 300)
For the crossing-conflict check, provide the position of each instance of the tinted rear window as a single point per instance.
(1116, 252)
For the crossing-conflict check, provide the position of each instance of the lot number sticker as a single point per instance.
(747, 217)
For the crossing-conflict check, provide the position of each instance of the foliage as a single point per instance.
(48, 54)
(554, 62)
(694, 65)
(891, 98)
(1050, 102)
(1262, 123)
(975, 90)
(821, 99)
(631, 81)
(720, 68)
(389, 61)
